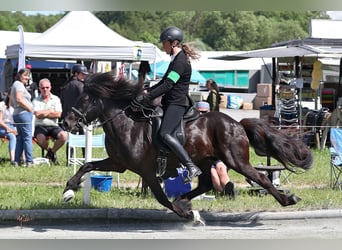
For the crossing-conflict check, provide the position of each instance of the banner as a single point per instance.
(21, 56)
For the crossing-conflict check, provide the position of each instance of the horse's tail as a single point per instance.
(268, 141)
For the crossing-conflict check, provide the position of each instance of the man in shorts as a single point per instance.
(47, 110)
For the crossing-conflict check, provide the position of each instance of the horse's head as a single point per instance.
(87, 109)
(102, 94)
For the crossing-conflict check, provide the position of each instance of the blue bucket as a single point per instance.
(101, 183)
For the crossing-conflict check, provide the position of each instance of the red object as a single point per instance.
(121, 71)
(28, 66)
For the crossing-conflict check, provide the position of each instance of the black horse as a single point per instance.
(212, 136)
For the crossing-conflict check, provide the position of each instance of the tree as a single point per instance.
(216, 30)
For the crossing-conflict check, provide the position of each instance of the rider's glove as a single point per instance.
(141, 101)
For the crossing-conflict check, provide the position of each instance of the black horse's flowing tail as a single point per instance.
(268, 141)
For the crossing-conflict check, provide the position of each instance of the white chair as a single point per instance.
(75, 155)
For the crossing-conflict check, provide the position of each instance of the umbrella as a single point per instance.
(162, 66)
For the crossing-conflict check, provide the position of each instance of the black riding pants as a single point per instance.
(172, 117)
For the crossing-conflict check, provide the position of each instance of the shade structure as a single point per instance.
(282, 51)
(162, 66)
(92, 41)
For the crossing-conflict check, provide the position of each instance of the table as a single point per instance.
(270, 170)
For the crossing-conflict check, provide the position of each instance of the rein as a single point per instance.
(83, 118)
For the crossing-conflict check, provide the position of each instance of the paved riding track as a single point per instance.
(159, 224)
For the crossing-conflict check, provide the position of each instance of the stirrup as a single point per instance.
(187, 177)
(162, 162)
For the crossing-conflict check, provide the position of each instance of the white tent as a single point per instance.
(81, 35)
(12, 37)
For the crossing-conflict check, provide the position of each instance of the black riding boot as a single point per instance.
(183, 157)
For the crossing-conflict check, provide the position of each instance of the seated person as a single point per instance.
(7, 128)
(219, 172)
(47, 109)
(221, 181)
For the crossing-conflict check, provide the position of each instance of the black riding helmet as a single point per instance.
(79, 68)
(171, 34)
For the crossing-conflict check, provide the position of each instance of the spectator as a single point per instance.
(31, 86)
(219, 171)
(22, 117)
(221, 181)
(71, 90)
(7, 128)
(48, 109)
(214, 98)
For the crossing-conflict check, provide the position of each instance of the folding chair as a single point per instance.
(78, 142)
(336, 158)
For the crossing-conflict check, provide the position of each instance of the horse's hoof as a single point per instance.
(293, 199)
(197, 219)
(68, 195)
(182, 207)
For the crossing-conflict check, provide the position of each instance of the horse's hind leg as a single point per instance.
(251, 173)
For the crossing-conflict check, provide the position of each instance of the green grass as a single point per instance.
(41, 187)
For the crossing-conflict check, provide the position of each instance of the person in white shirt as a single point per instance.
(47, 110)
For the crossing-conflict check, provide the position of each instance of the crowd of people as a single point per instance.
(33, 113)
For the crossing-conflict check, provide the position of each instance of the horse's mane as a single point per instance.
(103, 85)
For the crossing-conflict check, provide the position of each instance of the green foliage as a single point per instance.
(39, 23)
(210, 30)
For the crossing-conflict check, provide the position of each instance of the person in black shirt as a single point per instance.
(72, 88)
(174, 87)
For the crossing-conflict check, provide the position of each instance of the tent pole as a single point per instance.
(274, 79)
(339, 88)
(297, 75)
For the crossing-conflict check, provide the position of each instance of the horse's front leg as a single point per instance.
(74, 182)
(181, 209)
(204, 185)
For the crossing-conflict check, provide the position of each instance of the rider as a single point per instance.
(174, 87)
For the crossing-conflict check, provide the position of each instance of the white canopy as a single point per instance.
(81, 35)
(282, 51)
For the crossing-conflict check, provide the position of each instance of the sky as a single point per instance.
(42, 12)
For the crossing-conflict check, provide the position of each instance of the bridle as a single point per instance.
(83, 116)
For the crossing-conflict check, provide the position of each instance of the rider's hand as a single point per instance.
(141, 101)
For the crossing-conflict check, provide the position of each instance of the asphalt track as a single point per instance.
(159, 215)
